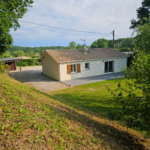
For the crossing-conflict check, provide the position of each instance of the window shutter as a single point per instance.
(79, 68)
(69, 69)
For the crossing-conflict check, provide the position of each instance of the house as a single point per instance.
(11, 62)
(37, 54)
(70, 64)
(24, 57)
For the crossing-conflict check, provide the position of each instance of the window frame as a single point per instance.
(88, 66)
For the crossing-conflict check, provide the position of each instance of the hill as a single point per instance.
(30, 119)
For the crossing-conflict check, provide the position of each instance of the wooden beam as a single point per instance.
(20, 65)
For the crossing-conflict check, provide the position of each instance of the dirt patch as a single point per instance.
(33, 76)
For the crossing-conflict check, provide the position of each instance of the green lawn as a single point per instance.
(93, 97)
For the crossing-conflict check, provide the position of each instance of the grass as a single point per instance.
(30, 119)
(92, 97)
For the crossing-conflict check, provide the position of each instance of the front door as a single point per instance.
(108, 66)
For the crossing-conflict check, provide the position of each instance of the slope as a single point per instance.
(30, 119)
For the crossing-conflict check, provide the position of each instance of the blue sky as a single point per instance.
(101, 16)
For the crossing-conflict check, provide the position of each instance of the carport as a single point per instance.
(11, 62)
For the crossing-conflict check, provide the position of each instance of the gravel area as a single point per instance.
(33, 76)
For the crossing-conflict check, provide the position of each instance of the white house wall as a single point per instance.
(120, 64)
(96, 68)
(50, 67)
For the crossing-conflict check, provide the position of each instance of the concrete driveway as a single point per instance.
(33, 76)
(76, 82)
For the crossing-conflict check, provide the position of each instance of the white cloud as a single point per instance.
(87, 15)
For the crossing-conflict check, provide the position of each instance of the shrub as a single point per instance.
(38, 63)
(24, 64)
(4, 68)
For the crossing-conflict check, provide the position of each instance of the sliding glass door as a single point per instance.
(108, 66)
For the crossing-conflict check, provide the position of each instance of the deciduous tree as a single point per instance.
(142, 13)
(72, 45)
(10, 12)
(100, 43)
(79, 46)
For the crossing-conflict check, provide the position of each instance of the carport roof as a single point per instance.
(10, 59)
(79, 55)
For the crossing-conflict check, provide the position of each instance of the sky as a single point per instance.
(102, 16)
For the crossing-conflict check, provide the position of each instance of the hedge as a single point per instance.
(29, 62)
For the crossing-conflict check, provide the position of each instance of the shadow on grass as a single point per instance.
(101, 130)
(100, 106)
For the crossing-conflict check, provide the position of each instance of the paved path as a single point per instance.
(33, 76)
(76, 82)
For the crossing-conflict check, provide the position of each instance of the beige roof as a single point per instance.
(77, 54)
(37, 54)
(25, 57)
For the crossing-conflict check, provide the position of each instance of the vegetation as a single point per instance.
(124, 44)
(142, 38)
(4, 68)
(34, 119)
(92, 97)
(135, 101)
(142, 13)
(72, 45)
(10, 12)
(29, 62)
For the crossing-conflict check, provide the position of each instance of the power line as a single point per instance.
(107, 34)
(117, 37)
(60, 28)
(57, 27)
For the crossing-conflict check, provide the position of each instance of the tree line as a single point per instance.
(123, 44)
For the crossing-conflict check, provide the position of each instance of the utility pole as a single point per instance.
(114, 38)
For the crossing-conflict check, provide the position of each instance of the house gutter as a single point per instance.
(61, 62)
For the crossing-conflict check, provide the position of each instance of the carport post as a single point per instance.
(20, 65)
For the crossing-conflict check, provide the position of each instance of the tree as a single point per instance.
(41, 51)
(10, 12)
(100, 43)
(142, 37)
(142, 13)
(134, 98)
(72, 45)
(18, 53)
(110, 43)
(79, 46)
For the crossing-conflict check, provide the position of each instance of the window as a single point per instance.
(87, 66)
(73, 68)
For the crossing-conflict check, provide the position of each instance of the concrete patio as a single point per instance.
(81, 81)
